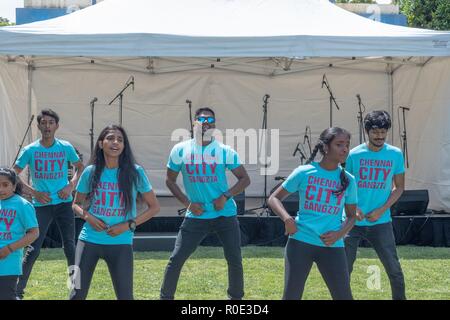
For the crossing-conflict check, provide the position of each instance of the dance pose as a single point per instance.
(203, 162)
(48, 159)
(18, 228)
(380, 176)
(316, 234)
(110, 186)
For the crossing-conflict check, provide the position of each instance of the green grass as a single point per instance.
(204, 276)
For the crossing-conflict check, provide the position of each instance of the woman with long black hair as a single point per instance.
(111, 184)
(316, 235)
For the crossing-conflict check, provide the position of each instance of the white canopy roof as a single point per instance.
(219, 28)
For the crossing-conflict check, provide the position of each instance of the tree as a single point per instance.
(355, 1)
(4, 22)
(429, 14)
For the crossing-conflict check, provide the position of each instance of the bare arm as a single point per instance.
(277, 206)
(77, 207)
(65, 192)
(42, 197)
(30, 236)
(397, 190)
(171, 183)
(152, 209)
(349, 223)
(27, 189)
(243, 181)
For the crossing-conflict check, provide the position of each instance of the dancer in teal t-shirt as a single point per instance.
(203, 162)
(110, 184)
(316, 234)
(18, 228)
(380, 176)
(48, 160)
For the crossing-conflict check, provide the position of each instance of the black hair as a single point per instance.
(377, 120)
(127, 174)
(204, 109)
(326, 137)
(47, 112)
(13, 177)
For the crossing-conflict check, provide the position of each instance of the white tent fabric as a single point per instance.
(273, 47)
(219, 28)
(157, 107)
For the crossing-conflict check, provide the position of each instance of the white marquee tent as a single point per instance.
(227, 54)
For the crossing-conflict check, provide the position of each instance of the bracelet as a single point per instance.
(10, 249)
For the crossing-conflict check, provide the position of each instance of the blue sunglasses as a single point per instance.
(207, 119)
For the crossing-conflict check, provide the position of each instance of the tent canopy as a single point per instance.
(227, 54)
(219, 28)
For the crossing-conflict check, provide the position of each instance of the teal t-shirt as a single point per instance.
(320, 210)
(374, 173)
(17, 216)
(107, 204)
(48, 168)
(204, 174)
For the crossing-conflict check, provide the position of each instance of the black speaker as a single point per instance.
(411, 203)
(240, 203)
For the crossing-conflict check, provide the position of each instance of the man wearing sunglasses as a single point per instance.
(203, 162)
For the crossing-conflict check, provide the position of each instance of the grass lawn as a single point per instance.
(204, 276)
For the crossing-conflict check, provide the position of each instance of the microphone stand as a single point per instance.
(307, 137)
(23, 140)
(302, 155)
(189, 102)
(91, 131)
(405, 137)
(264, 207)
(120, 97)
(332, 99)
(362, 134)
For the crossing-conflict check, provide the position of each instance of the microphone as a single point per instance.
(359, 98)
(404, 108)
(266, 97)
(188, 101)
(323, 79)
(94, 100)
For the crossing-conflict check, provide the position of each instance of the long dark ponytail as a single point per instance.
(127, 174)
(14, 178)
(325, 139)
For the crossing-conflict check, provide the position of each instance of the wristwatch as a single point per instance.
(227, 195)
(132, 225)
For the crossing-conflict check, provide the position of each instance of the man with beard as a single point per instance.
(380, 177)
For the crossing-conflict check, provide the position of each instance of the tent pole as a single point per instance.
(30, 88)
(390, 75)
(30, 85)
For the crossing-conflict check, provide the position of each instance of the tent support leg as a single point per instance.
(30, 88)
(390, 75)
